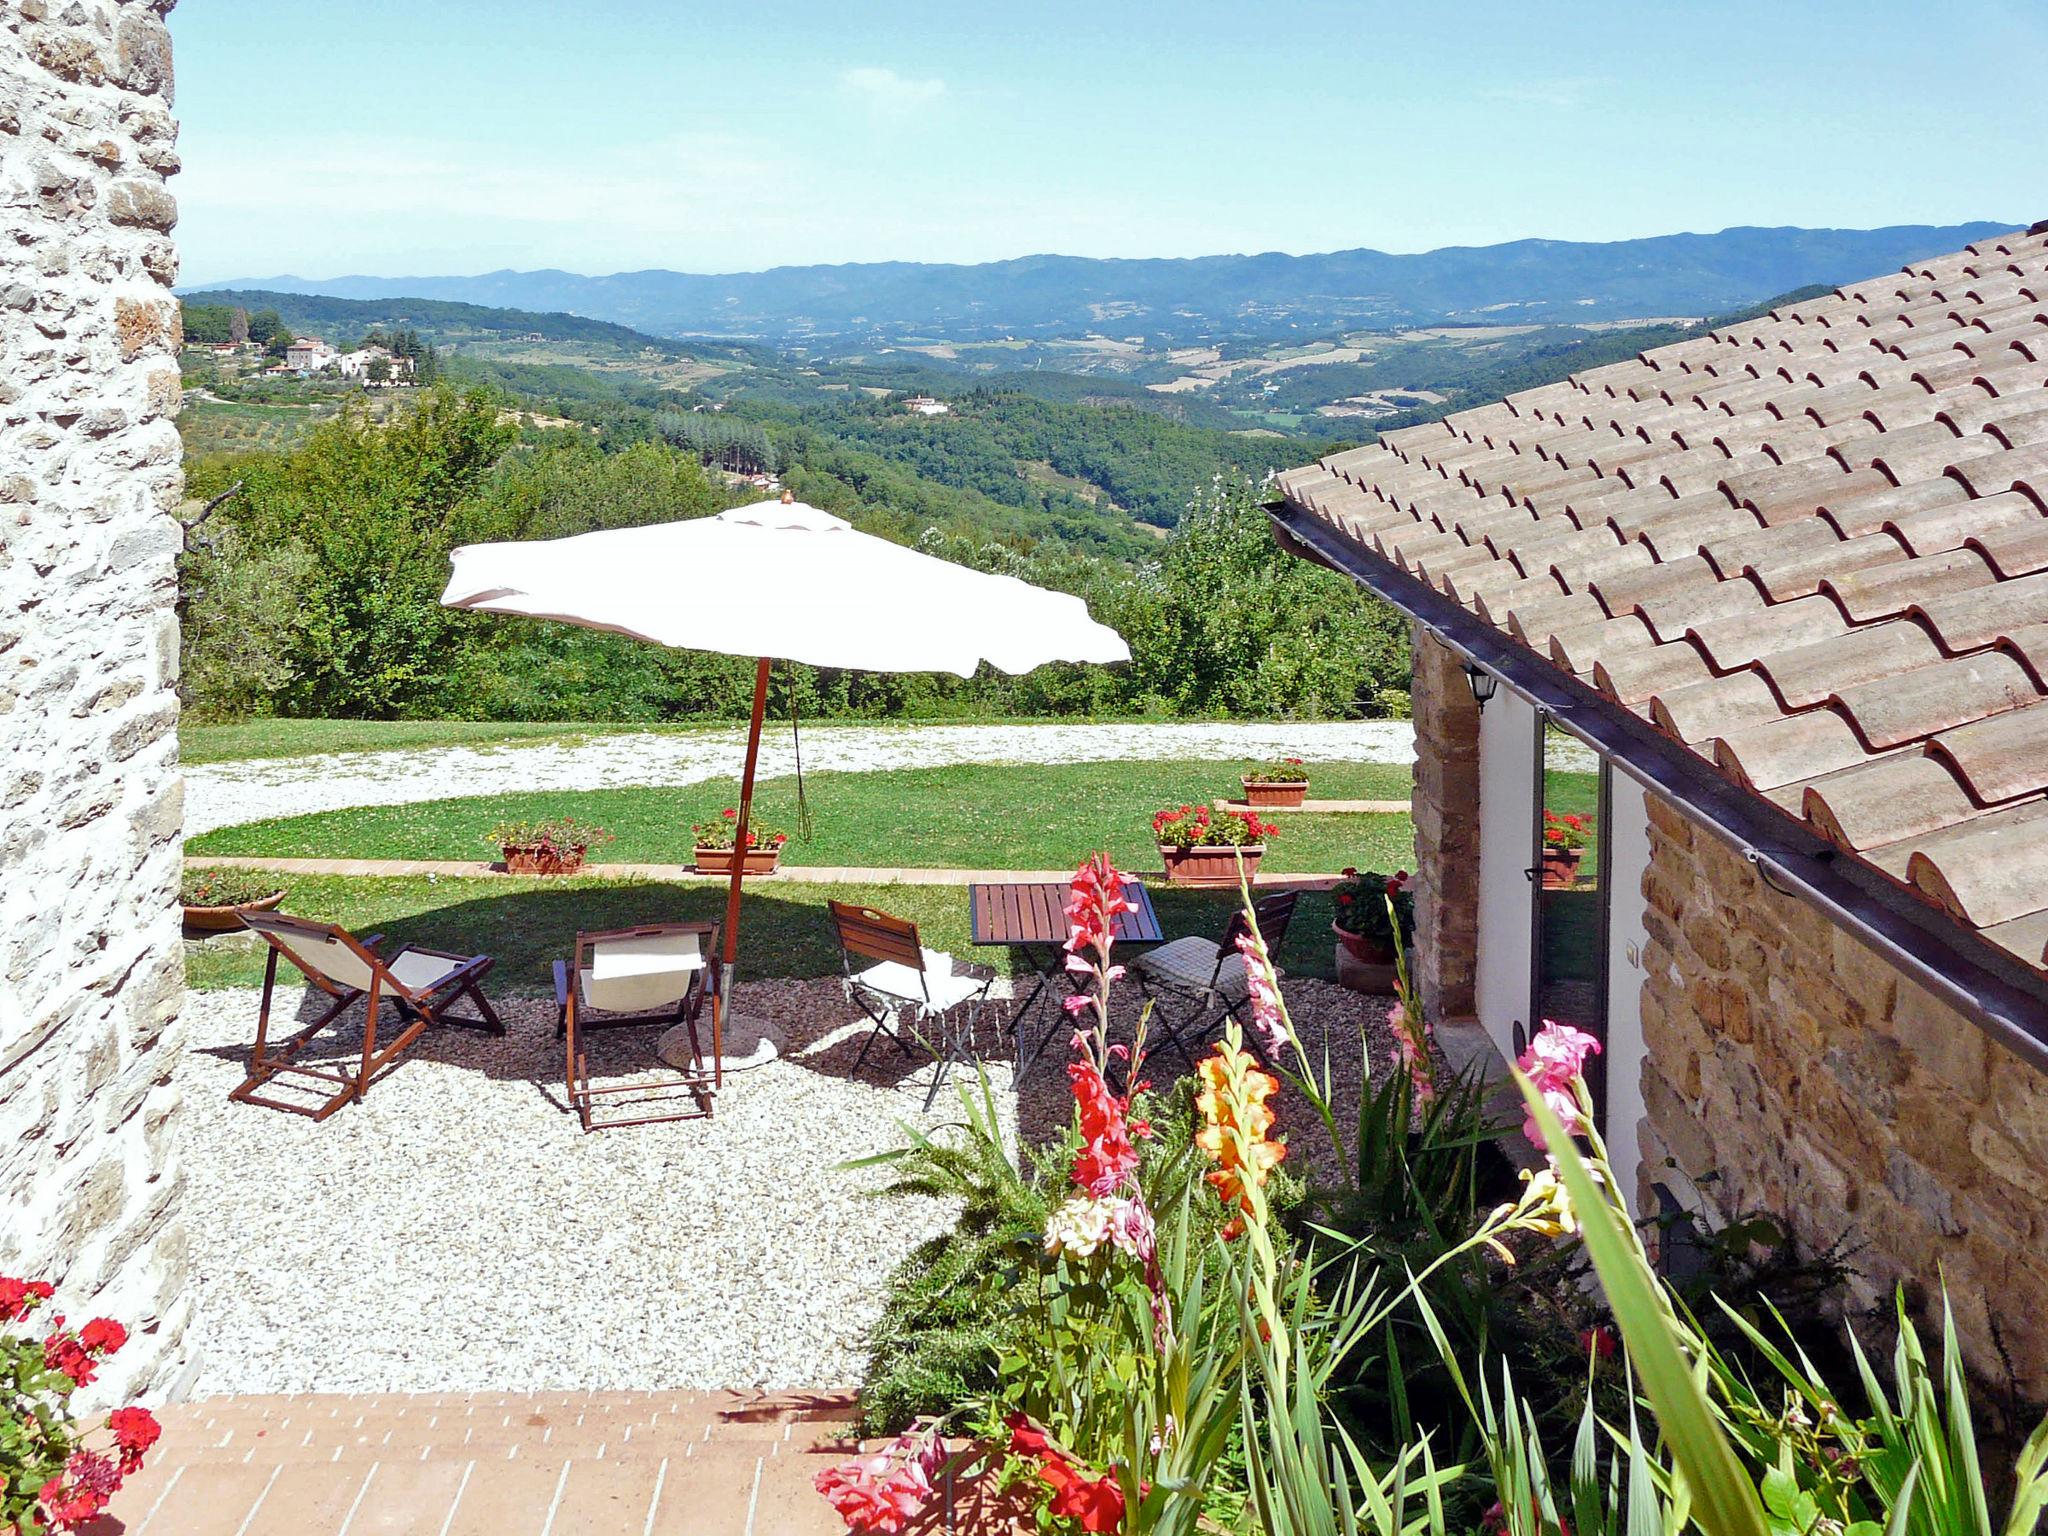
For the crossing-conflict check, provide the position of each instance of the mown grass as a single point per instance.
(973, 816)
(785, 930)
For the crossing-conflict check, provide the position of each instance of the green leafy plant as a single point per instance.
(225, 887)
(1276, 770)
(724, 832)
(555, 836)
(1362, 900)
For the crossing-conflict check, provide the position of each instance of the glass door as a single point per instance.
(1568, 951)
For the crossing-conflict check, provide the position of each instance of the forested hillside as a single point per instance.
(1271, 294)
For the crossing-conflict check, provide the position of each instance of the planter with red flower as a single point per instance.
(1364, 926)
(1564, 844)
(716, 840)
(51, 1477)
(213, 900)
(1206, 847)
(552, 847)
(1278, 784)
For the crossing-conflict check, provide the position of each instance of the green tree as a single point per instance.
(264, 325)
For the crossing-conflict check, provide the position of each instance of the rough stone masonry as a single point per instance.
(90, 968)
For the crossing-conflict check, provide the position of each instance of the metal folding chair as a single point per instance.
(1200, 975)
(422, 985)
(657, 974)
(938, 992)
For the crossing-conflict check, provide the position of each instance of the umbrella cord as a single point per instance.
(796, 742)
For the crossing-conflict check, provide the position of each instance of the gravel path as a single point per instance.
(226, 794)
(456, 1232)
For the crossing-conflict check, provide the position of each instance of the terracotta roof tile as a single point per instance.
(1813, 546)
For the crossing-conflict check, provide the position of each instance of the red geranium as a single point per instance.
(18, 1298)
(103, 1335)
(135, 1431)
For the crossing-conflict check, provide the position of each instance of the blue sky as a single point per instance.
(324, 137)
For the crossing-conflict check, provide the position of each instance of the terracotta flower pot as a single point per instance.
(537, 859)
(1285, 794)
(1214, 866)
(1561, 867)
(222, 919)
(1365, 950)
(759, 861)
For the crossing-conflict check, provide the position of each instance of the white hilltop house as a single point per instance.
(925, 405)
(356, 364)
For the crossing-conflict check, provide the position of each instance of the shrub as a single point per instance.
(1277, 770)
(557, 835)
(226, 887)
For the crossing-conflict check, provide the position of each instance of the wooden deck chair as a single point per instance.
(661, 973)
(1201, 974)
(938, 992)
(421, 985)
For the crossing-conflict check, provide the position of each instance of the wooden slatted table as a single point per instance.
(1030, 916)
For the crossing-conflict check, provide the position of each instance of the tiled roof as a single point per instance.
(1812, 547)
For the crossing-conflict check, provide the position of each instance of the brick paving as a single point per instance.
(491, 1464)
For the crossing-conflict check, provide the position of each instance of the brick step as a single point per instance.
(264, 1455)
(705, 1495)
(569, 1436)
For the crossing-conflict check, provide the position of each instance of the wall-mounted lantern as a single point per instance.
(1483, 683)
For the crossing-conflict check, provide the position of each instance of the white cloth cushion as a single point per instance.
(1190, 962)
(893, 979)
(418, 972)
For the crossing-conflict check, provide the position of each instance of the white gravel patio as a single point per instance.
(455, 1231)
(228, 793)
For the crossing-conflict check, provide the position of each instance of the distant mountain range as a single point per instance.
(1270, 295)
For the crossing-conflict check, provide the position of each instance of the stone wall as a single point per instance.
(90, 966)
(1824, 1087)
(1446, 813)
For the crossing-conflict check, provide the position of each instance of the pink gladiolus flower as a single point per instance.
(1554, 1062)
(1264, 989)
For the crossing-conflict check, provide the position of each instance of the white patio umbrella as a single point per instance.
(779, 579)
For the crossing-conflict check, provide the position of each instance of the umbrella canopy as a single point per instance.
(785, 580)
(778, 579)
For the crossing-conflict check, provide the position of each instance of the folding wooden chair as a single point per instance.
(423, 985)
(936, 990)
(1203, 974)
(662, 973)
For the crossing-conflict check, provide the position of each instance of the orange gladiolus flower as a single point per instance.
(1235, 1120)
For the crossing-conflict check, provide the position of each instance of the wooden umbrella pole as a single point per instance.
(739, 863)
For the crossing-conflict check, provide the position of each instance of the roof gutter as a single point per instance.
(1984, 983)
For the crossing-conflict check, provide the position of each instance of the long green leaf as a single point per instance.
(1725, 1500)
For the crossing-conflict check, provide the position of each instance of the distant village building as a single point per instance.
(356, 364)
(925, 405)
(308, 354)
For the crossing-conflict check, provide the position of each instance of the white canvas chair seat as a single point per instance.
(418, 971)
(660, 974)
(937, 988)
(638, 972)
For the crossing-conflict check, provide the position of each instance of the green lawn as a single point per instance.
(977, 816)
(785, 931)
